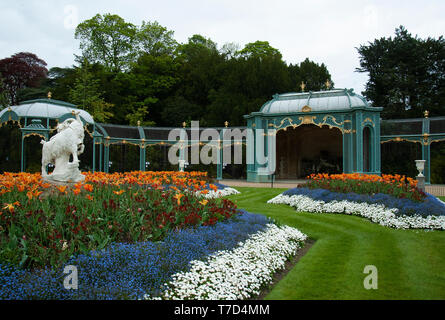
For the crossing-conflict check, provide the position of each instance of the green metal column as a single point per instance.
(348, 153)
(142, 149)
(183, 147)
(359, 142)
(219, 162)
(94, 154)
(142, 157)
(100, 155)
(22, 156)
(107, 155)
(426, 157)
(377, 145)
(250, 149)
(426, 142)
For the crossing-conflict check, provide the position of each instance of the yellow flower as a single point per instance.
(178, 197)
(10, 207)
(203, 202)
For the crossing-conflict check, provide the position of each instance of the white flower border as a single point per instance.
(375, 212)
(227, 191)
(239, 273)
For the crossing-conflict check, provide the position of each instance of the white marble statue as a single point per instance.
(67, 142)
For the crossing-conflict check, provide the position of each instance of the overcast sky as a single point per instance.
(324, 31)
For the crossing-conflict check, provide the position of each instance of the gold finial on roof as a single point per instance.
(327, 84)
(426, 113)
(226, 124)
(139, 123)
(49, 94)
(302, 86)
(184, 124)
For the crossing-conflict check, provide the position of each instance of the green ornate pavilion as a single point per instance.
(327, 131)
(334, 129)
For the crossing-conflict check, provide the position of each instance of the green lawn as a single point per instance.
(410, 263)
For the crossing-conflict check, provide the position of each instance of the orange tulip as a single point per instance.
(29, 194)
(10, 207)
(88, 187)
(62, 189)
(178, 198)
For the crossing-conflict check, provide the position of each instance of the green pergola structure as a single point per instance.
(40, 117)
(143, 137)
(424, 131)
(340, 109)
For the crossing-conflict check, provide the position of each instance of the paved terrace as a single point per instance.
(434, 189)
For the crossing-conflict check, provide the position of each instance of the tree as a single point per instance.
(149, 81)
(406, 74)
(313, 75)
(200, 70)
(21, 70)
(87, 95)
(3, 99)
(155, 39)
(259, 49)
(109, 40)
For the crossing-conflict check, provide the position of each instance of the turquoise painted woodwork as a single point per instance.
(337, 108)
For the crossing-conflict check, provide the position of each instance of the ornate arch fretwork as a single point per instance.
(33, 134)
(400, 139)
(310, 119)
(368, 120)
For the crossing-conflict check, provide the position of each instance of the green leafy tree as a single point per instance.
(87, 95)
(109, 40)
(155, 39)
(406, 74)
(3, 98)
(312, 74)
(149, 82)
(259, 49)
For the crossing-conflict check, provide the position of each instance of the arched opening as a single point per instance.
(366, 149)
(10, 137)
(308, 149)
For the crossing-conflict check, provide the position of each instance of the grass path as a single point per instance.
(410, 263)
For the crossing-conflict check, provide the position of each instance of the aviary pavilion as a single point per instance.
(333, 130)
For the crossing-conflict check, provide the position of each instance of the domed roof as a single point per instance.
(330, 100)
(46, 108)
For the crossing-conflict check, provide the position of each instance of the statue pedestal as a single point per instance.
(421, 183)
(69, 173)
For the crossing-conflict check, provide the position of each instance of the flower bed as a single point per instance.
(239, 273)
(382, 209)
(249, 244)
(397, 186)
(41, 224)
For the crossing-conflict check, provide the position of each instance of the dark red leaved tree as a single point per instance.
(23, 69)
